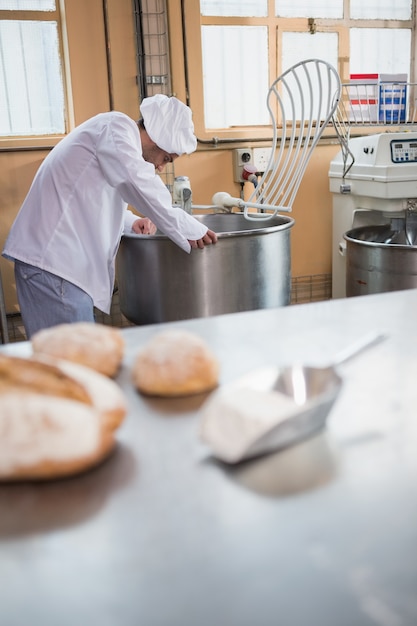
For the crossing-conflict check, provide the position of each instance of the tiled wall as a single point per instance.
(311, 288)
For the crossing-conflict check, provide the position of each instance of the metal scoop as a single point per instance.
(301, 397)
(303, 383)
(314, 390)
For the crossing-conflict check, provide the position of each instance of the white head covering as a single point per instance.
(169, 124)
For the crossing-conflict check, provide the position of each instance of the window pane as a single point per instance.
(299, 46)
(239, 8)
(31, 89)
(380, 50)
(381, 9)
(309, 8)
(27, 5)
(235, 75)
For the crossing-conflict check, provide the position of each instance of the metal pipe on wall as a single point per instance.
(108, 54)
(140, 48)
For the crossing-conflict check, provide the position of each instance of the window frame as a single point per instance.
(58, 16)
(187, 57)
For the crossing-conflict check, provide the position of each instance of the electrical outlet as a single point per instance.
(261, 158)
(241, 157)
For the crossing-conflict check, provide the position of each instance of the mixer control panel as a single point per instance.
(404, 151)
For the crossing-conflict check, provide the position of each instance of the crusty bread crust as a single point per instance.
(97, 346)
(104, 393)
(57, 418)
(44, 438)
(175, 363)
(29, 375)
(49, 470)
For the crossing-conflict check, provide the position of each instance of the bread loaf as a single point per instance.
(44, 437)
(97, 346)
(56, 418)
(103, 392)
(175, 363)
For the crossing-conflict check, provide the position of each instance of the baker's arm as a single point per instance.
(120, 155)
(209, 237)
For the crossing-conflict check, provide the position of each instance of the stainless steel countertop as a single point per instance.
(321, 534)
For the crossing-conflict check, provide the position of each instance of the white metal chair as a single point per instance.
(301, 102)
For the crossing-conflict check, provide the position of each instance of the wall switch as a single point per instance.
(261, 158)
(241, 157)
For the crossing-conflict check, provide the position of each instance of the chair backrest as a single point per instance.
(301, 102)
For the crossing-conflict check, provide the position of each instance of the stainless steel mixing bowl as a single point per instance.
(248, 268)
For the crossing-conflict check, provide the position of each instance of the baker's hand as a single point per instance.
(144, 226)
(209, 237)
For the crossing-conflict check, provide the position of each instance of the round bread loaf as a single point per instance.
(45, 437)
(103, 393)
(56, 418)
(97, 346)
(175, 363)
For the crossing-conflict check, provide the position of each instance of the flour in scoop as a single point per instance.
(234, 418)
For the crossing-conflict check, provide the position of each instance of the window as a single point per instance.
(307, 8)
(243, 8)
(243, 45)
(32, 101)
(225, 103)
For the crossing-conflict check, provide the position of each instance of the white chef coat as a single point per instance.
(75, 213)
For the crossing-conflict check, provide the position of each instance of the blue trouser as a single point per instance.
(47, 300)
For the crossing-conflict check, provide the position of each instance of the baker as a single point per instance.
(66, 235)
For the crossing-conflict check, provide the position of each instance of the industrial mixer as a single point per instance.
(375, 214)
